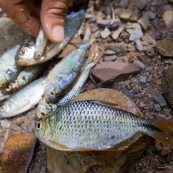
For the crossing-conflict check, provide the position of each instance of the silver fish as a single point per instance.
(72, 23)
(8, 67)
(24, 99)
(86, 126)
(43, 108)
(64, 73)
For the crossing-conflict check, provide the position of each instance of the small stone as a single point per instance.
(5, 124)
(109, 23)
(143, 79)
(167, 85)
(157, 107)
(110, 58)
(135, 35)
(168, 18)
(124, 3)
(105, 33)
(150, 51)
(151, 15)
(109, 52)
(108, 71)
(133, 26)
(160, 99)
(141, 104)
(139, 64)
(31, 127)
(141, 4)
(116, 33)
(144, 22)
(164, 47)
(128, 93)
(139, 45)
(126, 14)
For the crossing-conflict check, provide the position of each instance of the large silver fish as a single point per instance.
(24, 99)
(64, 73)
(86, 126)
(8, 67)
(24, 58)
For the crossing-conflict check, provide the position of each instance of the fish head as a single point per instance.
(43, 109)
(3, 80)
(4, 111)
(52, 93)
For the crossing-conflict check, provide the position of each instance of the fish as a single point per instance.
(24, 99)
(72, 24)
(89, 125)
(64, 73)
(8, 67)
(26, 76)
(44, 109)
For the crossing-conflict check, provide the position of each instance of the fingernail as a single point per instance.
(58, 33)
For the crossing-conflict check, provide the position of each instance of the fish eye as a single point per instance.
(43, 114)
(39, 124)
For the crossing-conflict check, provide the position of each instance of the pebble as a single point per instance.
(109, 52)
(150, 51)
(126, 14)
(128, 93)
(31, 127)
(160, 99)
(110, 58)
(144, 22)
(157, 107)
(135, 35)
(141, 104)
(143, 79)
(108, 71)
(139, 45)
(141, 4)
(139, 64)
(164, 47)
(116, 33)
(109, 23)
(124, 3)
(151, 15)
(105, 33)
(168, 18)
(5, 124)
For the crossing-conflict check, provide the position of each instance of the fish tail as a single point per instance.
(163, 132)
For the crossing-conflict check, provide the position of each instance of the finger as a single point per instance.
(53, 14)
(21, 15)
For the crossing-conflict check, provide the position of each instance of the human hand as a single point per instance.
(29, 13)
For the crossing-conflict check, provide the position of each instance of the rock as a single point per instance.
(167, 85)
(144, 22)
(108, 71)
(119, 48)
(139, 64)
(151, 15)
(10, 34)
(110, 58)
(105, 33)
(109, 52)
(133, 26)
(150, 51)
(143, 79)
(128, 93)
(124, 3)
(157, 107)
(116, 33)
(135, 34)
(126, 14)
(168, 18)
(109, 23)
(141, 4)
(164, 47)
(31, 127)
(5, 123)
(139, 45)
(160, 99)
(16, 153)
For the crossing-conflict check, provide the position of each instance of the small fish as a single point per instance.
(85, 125)
(43, 108)
(8, 67)
(64, 73)
(26, 76)
(24, 99)
(72, 24)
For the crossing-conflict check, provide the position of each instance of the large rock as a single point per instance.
(167, 85)
(117, 160)
(107, 72)
(164, 47)
(16, 153)
(10, 34)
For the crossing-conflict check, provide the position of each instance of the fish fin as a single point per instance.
(162, 131)
(105, 102)
(59, 146)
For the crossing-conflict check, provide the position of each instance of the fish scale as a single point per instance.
(86, 124)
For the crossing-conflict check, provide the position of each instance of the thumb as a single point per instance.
(52, 15)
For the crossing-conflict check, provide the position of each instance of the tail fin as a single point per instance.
(163, 132)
